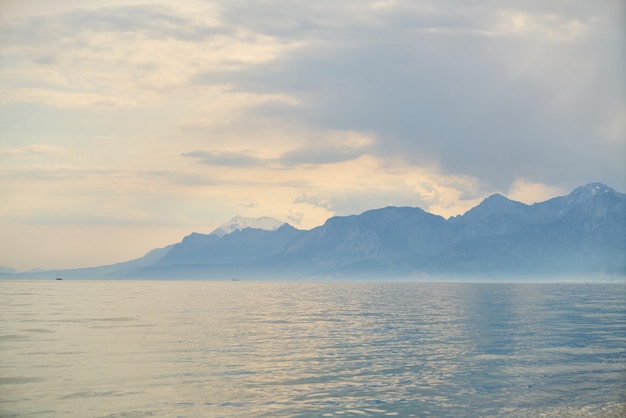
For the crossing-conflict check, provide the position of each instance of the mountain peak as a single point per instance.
(239, 222)
(591, 189)
(492, 204)
(497, 197)
(587, 192)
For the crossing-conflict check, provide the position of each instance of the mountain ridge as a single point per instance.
(582, 233)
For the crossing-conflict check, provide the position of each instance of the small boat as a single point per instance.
(59, 278)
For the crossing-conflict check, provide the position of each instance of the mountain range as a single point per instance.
(581, 235)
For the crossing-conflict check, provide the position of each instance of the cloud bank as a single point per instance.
(173, 118)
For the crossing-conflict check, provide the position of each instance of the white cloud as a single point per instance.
(36, 150)
(531, 192)
(65, 99)
(546, 27)
(122, 56)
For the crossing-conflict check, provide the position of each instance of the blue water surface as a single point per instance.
(266, 349)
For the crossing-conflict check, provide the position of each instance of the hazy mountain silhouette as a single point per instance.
(583, 234)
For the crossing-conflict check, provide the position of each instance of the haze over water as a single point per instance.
(253, 349)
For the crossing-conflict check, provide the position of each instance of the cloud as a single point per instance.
(493, 91)
(183, 115)
(36, 150)
(488, 91)
(312, 200)
(368, 182)
(317, 148)
(56, 172)
(57, 98)
(242, 158)
(294, 218)
(121, 56)
(350, 202)
(529, 192)
(550, 27)
(318, 156)
(329, 148)
(147, 20)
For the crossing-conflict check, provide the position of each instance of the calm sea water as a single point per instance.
(257, 349)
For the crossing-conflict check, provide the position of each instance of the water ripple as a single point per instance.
(312, 349)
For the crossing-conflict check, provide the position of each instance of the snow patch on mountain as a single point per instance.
(581, 195)
(588, 191)
(239, 223)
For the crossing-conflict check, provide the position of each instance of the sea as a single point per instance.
(80, 348)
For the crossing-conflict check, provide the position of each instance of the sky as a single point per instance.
(126, 125)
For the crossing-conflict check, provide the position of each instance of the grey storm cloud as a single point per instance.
(443, 83)
(318, 156)
(434, 82)
(327, 153)
(243, 158)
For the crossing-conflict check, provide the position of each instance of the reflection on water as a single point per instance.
(81, 348)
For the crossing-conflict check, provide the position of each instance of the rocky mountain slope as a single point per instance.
(581, 234)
